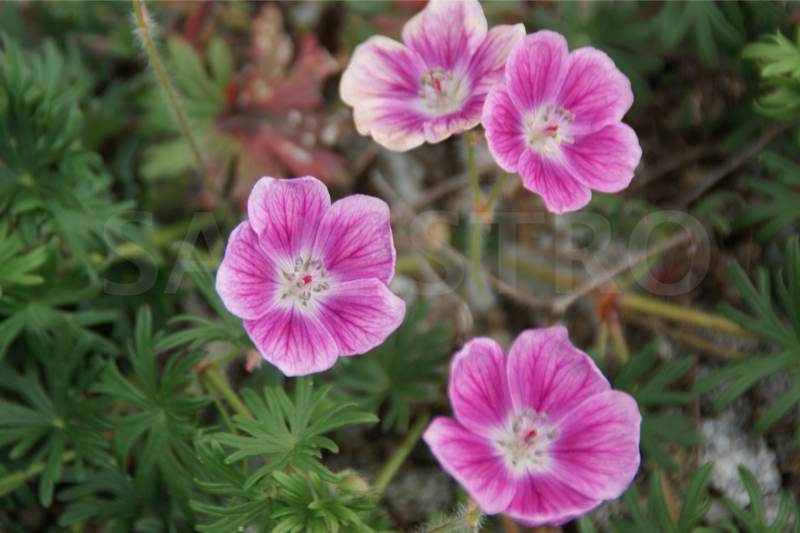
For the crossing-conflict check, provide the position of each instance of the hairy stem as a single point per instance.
(477, 270)
(12, 481)
(143, 28)
(402, 452)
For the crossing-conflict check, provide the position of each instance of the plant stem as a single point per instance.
(496, 192)
(629, 301)
(216, 380)
(12, 481)
(144, 28)
(477, 270)
(402, 452)
(473, 171)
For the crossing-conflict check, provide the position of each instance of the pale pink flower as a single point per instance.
(434, 84)
(539, 435)
(310, 278)
(556, 121)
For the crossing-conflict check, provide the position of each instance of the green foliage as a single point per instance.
(53, 415)
(18, 264)
(38, 310)
(756, 520)
(165, 424)
(659, 517)
(406, 367)
(290, 435)
(652, 394)
(714, 25)
(780, 211)
(110, 497)
(779, 59)
(231, 329)
(766, 323)
(47, 181)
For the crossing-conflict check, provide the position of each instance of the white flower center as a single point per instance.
(305, 280)
(548, 128)
(442, 92)
(526, 440)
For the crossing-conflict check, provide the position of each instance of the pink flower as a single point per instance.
(556, 121)
(310, 278)
(434, 84)
(539, 435)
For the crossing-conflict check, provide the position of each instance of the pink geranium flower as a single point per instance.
(539, 435)
(434, 84)
(556, 121)
(310, 278)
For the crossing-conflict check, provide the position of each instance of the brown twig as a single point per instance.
(680, 336)
(560, 305)
(733, 162)
(671, 163)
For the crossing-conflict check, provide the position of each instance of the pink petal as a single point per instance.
(597, 452)
(543, 499)
(354, 240)
(381, 84)
(595, 91)
(547, 176)
(549, 375)
(295, 341)
(359, 314)
(447, 34)
(473, 461)
(440, 128)
(536, 68)
(247, 280)
(604, 160)
(478, 387)
(289, 212)
(504, 131)
(257, 202)
(488, 66)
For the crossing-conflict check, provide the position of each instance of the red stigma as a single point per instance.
(554, 127)
(531, 435)
(307, 279)
(436, 81)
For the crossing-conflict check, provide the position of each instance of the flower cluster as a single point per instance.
(539, 435)
(552, 116)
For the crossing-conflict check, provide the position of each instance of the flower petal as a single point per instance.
(605, 160)
(487, 67)
(597, 452)
(595, 91)
(294, 341)
(473, 461)
(256, 202)
(247, 280)
(536, 68)
(478, 387)
(548, 374)
(381, 83)
(504, 131)
(543, 499)
(359, 314)
(290, 211)
(440, 128)
(547, 176)
(355, 240)
(447, 34)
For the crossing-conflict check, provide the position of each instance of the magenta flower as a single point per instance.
(310, 278)
(539, 435)
(556, 122)
(434, 84)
